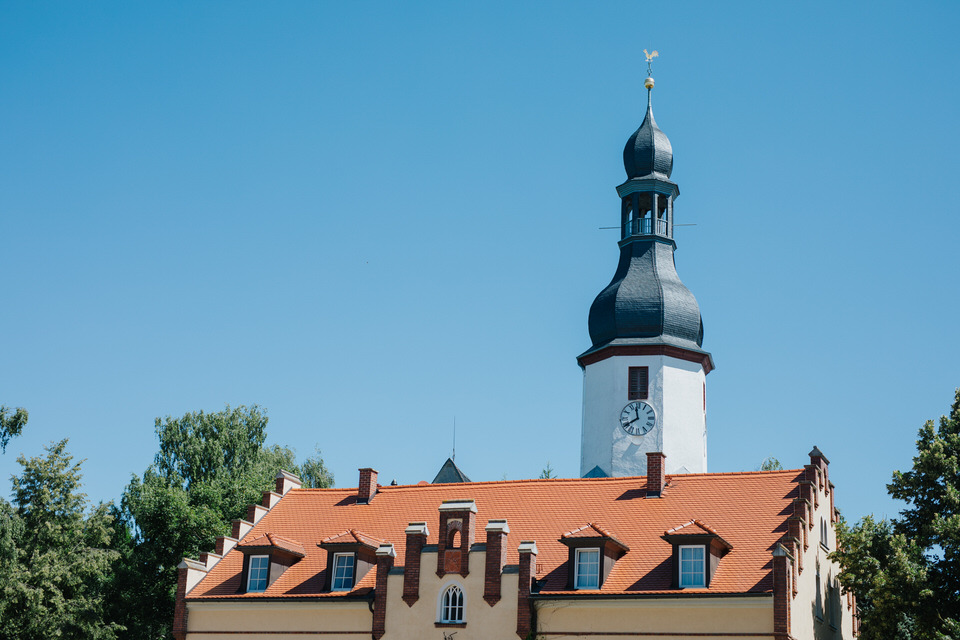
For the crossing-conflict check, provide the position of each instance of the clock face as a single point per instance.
(637, 418)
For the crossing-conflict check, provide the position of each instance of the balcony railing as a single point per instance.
(643, 226)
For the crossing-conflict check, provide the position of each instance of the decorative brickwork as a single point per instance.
(180, 610)
(385, 558)
(525, 612)
(497, 531)
(457, 531)
(781, 593)
(416, 538)
(655, 476)
(286, 481)
(796, 533)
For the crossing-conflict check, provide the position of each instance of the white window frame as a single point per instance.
(703, 567)
(251, 572)
(579, 576)
(444, 607)
(343, 583)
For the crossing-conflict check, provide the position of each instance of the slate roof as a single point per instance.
(450, 472)
(748, 509)
(645, 302)
(648, 151)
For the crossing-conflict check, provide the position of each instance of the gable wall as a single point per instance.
(483, 622)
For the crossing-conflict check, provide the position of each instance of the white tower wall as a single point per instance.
(676, 393)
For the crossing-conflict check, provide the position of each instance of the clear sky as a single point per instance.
(375, 218)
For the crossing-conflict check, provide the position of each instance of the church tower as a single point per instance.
(644, 377)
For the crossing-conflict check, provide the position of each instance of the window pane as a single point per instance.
(692, 567)
(587, 569)
(452, 605)
(343, 571)
(257, 577)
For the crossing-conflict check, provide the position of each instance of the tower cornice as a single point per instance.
(649, 183)
(612, 349)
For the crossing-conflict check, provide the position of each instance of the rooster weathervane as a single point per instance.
(650, 56)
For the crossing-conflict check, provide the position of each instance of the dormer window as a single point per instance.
(350, 556)
(587, 570)
(343, 565)
(697, 550)
(257, 574)
(266, 557)
(692, 566)
(592, 553)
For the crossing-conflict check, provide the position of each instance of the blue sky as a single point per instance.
(373, 218)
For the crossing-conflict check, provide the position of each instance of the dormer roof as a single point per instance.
(694, 528)
(352, 536)
(594, 531)
(270, 541)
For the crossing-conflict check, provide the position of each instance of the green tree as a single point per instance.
(12, 422)
(547, 472)
(55, 561)
(770, 464)
(314, 473)
(906, 573)
(209, 468)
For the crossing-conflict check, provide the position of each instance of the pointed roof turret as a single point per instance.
(648, 150)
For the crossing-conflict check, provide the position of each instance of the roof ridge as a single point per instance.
(446, 486)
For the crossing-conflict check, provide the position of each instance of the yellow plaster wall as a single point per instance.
(631, 618)
(255, 617)
(483, 621)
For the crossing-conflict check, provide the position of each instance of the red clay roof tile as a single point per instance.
(749, 508)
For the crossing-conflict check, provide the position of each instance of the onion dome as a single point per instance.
(646, 303)
(648, 150)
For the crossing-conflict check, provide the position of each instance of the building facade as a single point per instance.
(687, 556)
(646, 545)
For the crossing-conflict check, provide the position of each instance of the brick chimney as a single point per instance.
(368, 485)
(655, 476)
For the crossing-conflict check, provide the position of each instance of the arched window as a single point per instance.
(453, 539)
(451, 604)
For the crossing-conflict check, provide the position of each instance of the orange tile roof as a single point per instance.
(749, 509)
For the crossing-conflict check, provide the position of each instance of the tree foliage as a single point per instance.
(55, 561)
(209, 467)
(770, 464)
(547, 472)
(906, 573)
(12, 422)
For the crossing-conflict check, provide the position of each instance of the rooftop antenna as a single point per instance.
(454, 458)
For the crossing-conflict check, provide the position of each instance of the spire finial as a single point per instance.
(648, 83)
